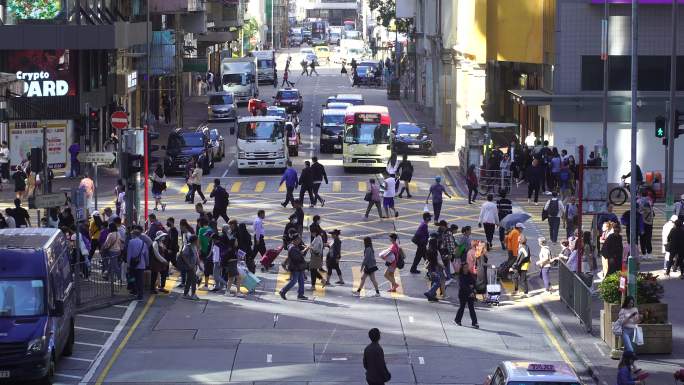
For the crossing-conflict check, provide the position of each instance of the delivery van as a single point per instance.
(37, 303)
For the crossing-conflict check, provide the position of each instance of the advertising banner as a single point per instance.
(27, 134)
(44, 72)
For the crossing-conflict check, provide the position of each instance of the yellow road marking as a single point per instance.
(185, 189)
(413, 186)
(235, 188)
(400, 290)
(356, 280)
(362, 186)
(282, 188)
(210, 188)
(337, 186)
(552, 338)
(282, 279)
(123, 343)
(260, 186)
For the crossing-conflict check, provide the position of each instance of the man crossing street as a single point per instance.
(221, 201)
(291, 182)
(319, 175)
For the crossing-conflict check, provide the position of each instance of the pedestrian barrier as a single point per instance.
(493, 181)
(575, 293)
(100, 280)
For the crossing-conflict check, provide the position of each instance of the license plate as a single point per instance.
(4, 374)
(337, 146)
(413, 146)
(367, 164)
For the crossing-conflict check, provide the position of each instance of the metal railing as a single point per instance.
(99, 280)
(493, 181)
(576, 294)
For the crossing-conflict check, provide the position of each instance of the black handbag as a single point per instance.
(367, 197)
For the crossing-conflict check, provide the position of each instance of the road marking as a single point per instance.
(78, 359)
(282, 279)
(185, 189)
(362, 186)
(107, 345)
(356, 281)
(337, 186)
(411, 319)
(551, 337)
(421, 360)
(68, 375)
(282, 188)
(123, 343)
(260, 186)
(92, 330)
(210, 188)
(400, 290)
(98, 317)
(269, 358)
(339, 359)
(235, 188)
(413, 186)
(88, 344)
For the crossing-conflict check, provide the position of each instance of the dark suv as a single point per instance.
(182, 147)
(290, 99)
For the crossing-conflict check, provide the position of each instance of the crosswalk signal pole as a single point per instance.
(674, 118)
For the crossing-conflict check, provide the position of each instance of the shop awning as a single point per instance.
(531, 97)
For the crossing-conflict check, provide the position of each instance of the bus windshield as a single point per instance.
(260, 131)
(367, 133)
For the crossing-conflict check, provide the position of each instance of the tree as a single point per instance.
(387, 11)
(249, 29)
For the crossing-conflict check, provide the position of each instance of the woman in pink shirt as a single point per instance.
(390, 256)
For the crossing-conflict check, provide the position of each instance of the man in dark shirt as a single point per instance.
(221, 201)
(306, 182)
(297, 266)
(374, 360)
(319, 175)
(504, 206)
(20, 215)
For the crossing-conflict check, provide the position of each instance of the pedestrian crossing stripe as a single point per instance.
(260, 186)
(362, 186)
(356, 281)
(400, 290)
(235, 188)
(337, 186)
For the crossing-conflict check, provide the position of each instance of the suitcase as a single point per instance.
(270, 256)
(503, 271)
(250, 281)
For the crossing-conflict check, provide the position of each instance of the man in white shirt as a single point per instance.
(388, 195)
(259, 233)
(489, 218)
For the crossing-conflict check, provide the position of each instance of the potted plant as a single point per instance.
(654, 321)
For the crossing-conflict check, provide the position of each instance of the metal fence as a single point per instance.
(101, 280)
(576, 294)
(493, 181)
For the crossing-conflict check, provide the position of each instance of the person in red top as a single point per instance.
(253, 106)
(390, 256)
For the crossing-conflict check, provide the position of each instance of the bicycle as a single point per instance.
(619, 195)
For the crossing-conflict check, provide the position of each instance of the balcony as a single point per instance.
(176, 6)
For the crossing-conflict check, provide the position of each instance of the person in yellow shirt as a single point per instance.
(522, 263)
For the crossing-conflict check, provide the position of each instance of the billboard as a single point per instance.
(34, 9)
(44, 72)
(27, 134)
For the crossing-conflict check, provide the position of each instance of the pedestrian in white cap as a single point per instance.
(667, 228)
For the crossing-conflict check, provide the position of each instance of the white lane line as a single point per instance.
(110, 341)
(67, 376)
(421, 360)
(98, 317)
(269, 358)
(88, 344)
(92, 330)
(124, 306)
(411, 318)
(339, 359)
(77, 359)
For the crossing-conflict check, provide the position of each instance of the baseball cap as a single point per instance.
(520, 225)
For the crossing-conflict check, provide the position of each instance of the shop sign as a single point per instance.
(40, 84)
(132, 80)
(28, 134)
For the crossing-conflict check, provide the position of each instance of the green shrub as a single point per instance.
(649, 290)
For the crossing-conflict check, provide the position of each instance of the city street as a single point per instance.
(263, 339)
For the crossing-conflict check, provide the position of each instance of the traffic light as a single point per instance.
(132, 164)
(660, 127)
(93, 119)
(678, 122)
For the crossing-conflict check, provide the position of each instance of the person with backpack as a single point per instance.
(296, 265)
(504, 206)
(434, 271)
(420, 239)
(553, 210)
(405, 175)
(368, 267)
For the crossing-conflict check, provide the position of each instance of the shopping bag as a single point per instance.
(426, 209)
(638, 336)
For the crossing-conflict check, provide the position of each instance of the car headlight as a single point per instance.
(242, 154)
(36, 346)
(280, 154)
(325, 136)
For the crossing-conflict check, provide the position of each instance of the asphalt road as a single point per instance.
(263, 339)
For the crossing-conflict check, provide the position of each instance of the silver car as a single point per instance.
(222, 106)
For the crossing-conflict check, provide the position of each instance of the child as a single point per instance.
(332, 261)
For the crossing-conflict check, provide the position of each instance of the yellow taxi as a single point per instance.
(323, 53)
(533, 373)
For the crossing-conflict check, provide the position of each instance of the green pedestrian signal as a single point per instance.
(660, 127)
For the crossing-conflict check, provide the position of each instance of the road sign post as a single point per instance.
(46, 201)
(96, 158)
(119, 120)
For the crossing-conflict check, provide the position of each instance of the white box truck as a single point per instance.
(266, 66)
(239, 76)
(261, 143)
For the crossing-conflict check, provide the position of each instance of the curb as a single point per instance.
(454, 181)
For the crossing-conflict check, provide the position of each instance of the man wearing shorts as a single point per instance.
(388, 195)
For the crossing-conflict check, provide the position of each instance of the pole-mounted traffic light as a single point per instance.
(660, 127)
(93, 119)
(678, 122)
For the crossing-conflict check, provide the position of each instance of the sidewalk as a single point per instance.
(589, 347)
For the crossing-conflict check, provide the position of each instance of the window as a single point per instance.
(654, 73)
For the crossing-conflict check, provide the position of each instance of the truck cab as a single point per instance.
(37, 303)
(261, 143)
(239, 76)
(266, 66)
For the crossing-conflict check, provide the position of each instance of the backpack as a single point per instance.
(552, 211)
(401, 259)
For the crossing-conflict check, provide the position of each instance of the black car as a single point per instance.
(290, 99)
(332, 130)
(185, 145)
(412, 138)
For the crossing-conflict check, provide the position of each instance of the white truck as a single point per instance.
(352, 49)
(239, 76)
(261, 143)
(266, 66)
(335, 34)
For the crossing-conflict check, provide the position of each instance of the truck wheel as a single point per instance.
(69, 348)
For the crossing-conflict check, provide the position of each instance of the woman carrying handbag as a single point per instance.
(373, 198)
(368, 267)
